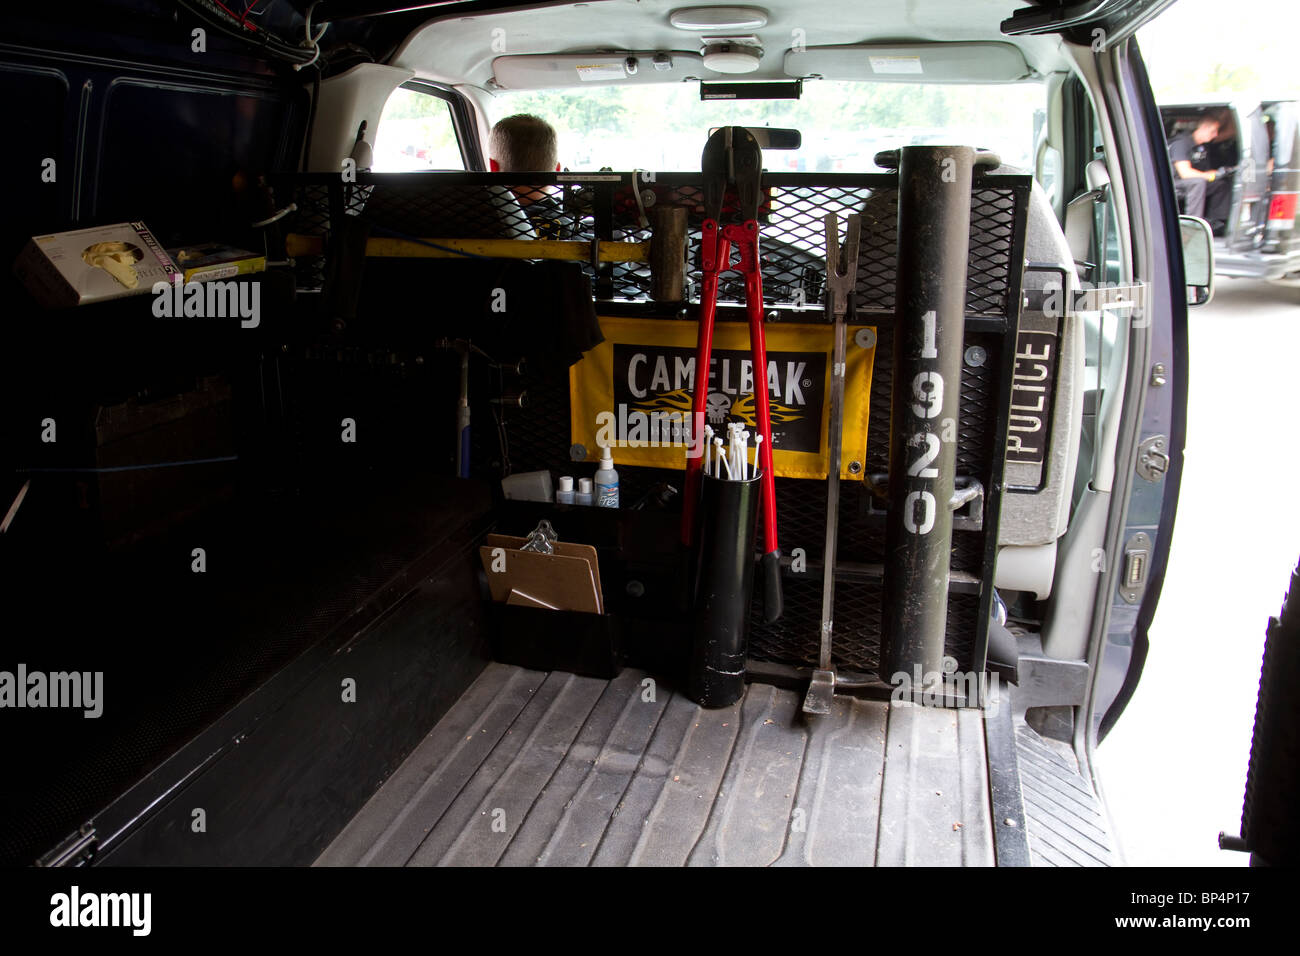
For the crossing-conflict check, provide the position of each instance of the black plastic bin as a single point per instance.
(544, 640)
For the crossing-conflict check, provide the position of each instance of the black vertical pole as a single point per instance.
(603, 220)
(934, 195)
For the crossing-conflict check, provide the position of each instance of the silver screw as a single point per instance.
(1010, 821)
(976, 356)
(865, 338)
(1158, 374)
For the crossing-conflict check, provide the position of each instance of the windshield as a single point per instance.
(844, 124)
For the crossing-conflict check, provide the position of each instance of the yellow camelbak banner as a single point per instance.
(633, 392)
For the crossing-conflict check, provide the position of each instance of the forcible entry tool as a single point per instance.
(733, 156)
(840, 281)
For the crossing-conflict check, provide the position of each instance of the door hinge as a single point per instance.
(77, 849)
(1153, 460)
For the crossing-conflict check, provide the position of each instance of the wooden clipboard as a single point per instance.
(567, 580)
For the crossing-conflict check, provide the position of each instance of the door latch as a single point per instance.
(1137, 565)
(1153, 460)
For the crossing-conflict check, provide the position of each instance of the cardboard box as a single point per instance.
(212, 260)
(93, 265)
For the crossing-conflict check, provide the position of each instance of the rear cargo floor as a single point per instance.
(534, 768)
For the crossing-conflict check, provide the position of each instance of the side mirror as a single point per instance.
(1198, 259)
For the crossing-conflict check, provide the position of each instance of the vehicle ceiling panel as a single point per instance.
(460, 49)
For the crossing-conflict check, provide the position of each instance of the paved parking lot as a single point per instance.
(1174, 768)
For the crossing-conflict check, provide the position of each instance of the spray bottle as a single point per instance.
(606, 481)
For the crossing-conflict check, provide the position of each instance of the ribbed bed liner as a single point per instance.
(1067, 824)
(532, 768)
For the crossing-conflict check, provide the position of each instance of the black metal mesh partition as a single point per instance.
(610, 207)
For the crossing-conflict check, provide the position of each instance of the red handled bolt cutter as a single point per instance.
(732, 157)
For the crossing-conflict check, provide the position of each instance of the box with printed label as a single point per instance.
(203, 263)
(92, 265)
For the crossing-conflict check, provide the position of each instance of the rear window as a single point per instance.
(844, 124)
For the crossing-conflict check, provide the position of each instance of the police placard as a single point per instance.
(634, 392)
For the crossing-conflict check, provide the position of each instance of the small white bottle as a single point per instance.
(583, 497)
(606, 481)
(564, 494)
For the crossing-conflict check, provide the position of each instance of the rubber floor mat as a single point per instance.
(1067, 823)
(533, 768)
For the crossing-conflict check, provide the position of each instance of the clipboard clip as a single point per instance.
(541, 539)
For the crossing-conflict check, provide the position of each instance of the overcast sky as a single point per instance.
(1197, 46)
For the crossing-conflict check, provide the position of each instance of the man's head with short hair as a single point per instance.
(523, 143)
(1206, 130)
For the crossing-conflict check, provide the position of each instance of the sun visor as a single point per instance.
(556, 70)
(912, 63)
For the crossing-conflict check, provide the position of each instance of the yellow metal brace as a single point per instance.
(562, 249)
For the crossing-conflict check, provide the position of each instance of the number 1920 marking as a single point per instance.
(920, 468)
(927, 394)
(926, 500)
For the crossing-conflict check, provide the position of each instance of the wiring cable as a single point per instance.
(221, 18)
(313, 40)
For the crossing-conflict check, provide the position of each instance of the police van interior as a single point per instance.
(315, 541)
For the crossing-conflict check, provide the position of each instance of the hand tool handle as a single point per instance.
(772, 597)
(834, 437)
(716, 251)
(840, 281)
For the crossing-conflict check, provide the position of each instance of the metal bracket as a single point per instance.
(966, 504)
(541, 539)
(1153, 460)
(821, 692)
(1137, 562)
(76, 849)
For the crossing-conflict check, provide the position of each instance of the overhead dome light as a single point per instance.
(732, 58)
(718, 18)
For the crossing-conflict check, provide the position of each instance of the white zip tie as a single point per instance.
(640, 203)
(758, 444)
(313, 42)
